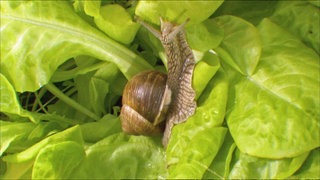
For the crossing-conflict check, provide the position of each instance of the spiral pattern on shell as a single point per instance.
(143, 103)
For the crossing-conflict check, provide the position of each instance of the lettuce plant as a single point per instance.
(64, 65)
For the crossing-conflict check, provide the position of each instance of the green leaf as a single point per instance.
(57, 161)
(81, 109)
(310, 169)
(249, 167)
(9, 102)
(83, 85)
(195, 143)
(106, 84)
(98, 89)
(95, 131)
(212, 102)
(71, 134)
(11, 132)
(92, 7)
(65, 74)
(242, 42)
(300, 18)
(314, 2)
(204, 70)
(252, 11)
(176, 11)
(151, 44)
(18, 136)
(194, 157)
(86, 9)
(274, 113)
(204, 36)
(65, 110)
(266, 79)
(117, 23)
(219, 168)
(119, 156)
(8, 97)
(18, 170)
(54, 36)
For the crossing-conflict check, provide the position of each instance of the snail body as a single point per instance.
(154, 102)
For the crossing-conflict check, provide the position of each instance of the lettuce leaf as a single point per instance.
(310, 168)
(300, 18)
(70, 134)
(8, 136)
(115, 21)
(248, 167)
(40, 37)
(252, 11)
(119, 156)
(274, 112)
(9, 103)
(220, 166)
(194, 144)
(256, 81)
(242, 42)
(67, 154)
(177, 11)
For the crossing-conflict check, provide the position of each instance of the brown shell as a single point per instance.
(143, 103)
(133, 123)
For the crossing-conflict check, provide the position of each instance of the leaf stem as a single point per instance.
(55, 91)
(42, 107)
(37, 101)
(69, 74)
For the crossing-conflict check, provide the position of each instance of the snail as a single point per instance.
(154, 102)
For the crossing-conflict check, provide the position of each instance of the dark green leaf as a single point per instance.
(252, 11)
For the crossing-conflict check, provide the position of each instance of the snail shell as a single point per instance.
(146, 99)
(153, 102)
